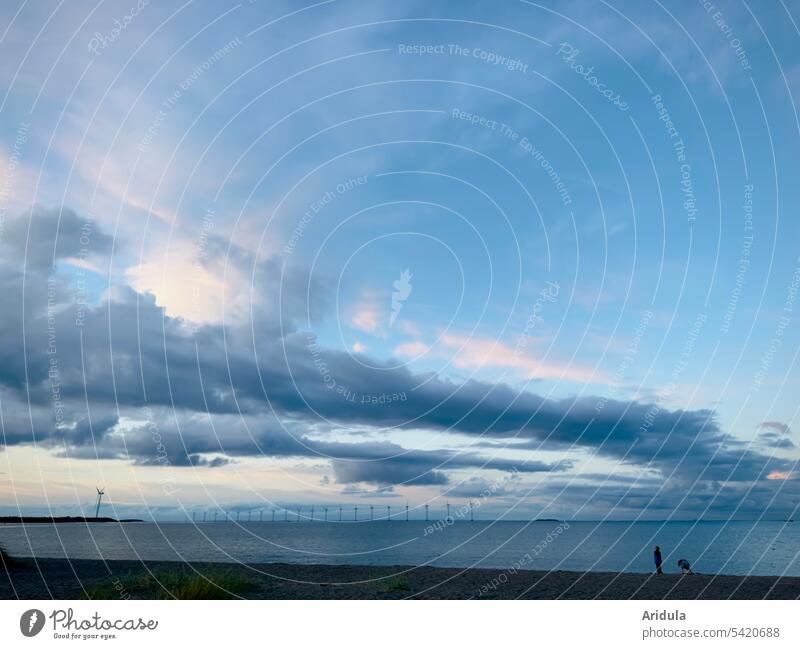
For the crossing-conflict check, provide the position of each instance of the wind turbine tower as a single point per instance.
(426, 513)
(100, 494)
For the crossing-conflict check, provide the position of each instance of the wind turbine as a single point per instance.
(340, 513)
(326, 514)
(448, 512)
(388, 512)
(426, 513)
(406, 512)
(372, 512)
(100, 494)
(355, 513)
(471, 513)
(312, 513)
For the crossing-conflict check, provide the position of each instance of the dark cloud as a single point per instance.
(125, 352)
(776, 426)
(43, 238)
(774, 439)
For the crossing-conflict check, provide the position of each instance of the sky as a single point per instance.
(264, 255)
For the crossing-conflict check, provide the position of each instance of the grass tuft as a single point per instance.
(214, 584)
(395, 584)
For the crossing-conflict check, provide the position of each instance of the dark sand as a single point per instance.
(61, 579)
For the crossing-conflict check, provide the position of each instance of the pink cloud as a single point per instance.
(780, 475)
(476, 353)
(412, 349)
(367, 318)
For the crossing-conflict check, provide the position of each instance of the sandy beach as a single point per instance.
(62, 579)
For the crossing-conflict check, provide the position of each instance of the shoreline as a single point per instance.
(29, 578)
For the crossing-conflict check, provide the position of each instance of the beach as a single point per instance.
(91, 579)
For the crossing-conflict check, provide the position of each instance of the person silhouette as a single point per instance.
(657, 559)
(686, 569)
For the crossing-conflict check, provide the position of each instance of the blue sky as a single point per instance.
(284, 254)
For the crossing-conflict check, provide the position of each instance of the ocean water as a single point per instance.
(738, 548)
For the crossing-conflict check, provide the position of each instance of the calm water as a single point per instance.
(733, 548)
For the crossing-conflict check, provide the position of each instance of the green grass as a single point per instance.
(395, 584)
(214, 584)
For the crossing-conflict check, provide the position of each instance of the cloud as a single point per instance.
(477, 353)
(773, 434)
(367, 318)
(222, 383)
(49, 235)
(411, 349)
(776, 426)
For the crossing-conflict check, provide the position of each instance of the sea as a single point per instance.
(712, 547)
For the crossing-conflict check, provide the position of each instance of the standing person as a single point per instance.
(686, 569)
(657, 559)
